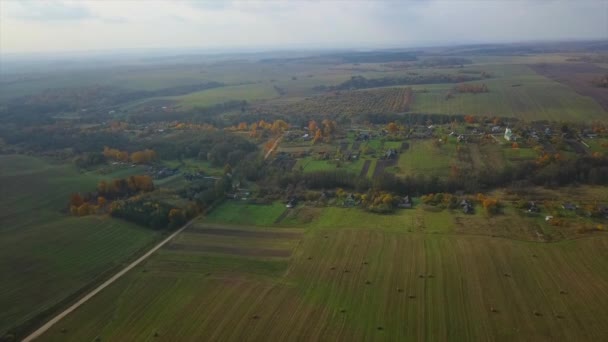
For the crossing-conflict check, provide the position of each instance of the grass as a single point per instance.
(537, 98)
(235, 212)
(422, 157)
(249, 92)
(46, 255)
(374, 282)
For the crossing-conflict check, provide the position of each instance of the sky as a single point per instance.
(63, 26)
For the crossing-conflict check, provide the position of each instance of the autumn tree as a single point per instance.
(470, 119)
(392, 128)
(76, 200)
(318, 136)
(312, 126)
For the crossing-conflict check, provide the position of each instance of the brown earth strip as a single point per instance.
(365, 168)
(279, 219)
(549, 148)
(253, 252)
(382, 164)
(577, 147)
(246, 233)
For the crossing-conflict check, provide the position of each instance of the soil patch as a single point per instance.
(253, 252)
(248, 233)
(365, 168)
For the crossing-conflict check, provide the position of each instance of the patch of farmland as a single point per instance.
(422, 157)
(236, 212)
(365, 168)
(578, 76)
(536, 98)
(382, 100)
(47, 256)
(359, 284)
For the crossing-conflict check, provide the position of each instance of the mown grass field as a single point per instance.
(353, 276)
(422, 157)
(46, 255)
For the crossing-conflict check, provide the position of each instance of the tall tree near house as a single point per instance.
(312, 126)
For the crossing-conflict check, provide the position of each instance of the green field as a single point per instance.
(46, 255)
(534, 97)
(249, 92)
(422, 157)
(235, 212)
(353, 276)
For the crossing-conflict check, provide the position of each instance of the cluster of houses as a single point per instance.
(162, 172)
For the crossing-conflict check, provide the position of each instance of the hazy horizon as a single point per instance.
(58, 27)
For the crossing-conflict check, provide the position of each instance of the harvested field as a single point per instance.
(251, 252)
(380, 100)
(365, 168)
(246, 233)
(360, 284)
(577, 76)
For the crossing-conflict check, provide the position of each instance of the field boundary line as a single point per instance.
(38, 332)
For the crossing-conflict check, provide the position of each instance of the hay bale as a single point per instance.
(559, 316)
(255, 317)
(332, 268)
(412, 296)
(507, 275)
(493, 309)
(346, 271)
(536, 313)
(309, 258)
(430, 276)
(421, 276)
(380, 328)
(563, 292)
(368, 282)
(342, 310)
(399, 290)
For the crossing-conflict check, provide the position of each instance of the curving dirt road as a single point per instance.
(98, 289)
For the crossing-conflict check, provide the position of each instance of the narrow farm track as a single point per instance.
(38, 332)
(274, 146)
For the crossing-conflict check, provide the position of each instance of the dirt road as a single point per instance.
(98, 289)
(274, 146)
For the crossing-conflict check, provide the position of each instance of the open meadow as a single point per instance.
(353, 276)
(63, 255)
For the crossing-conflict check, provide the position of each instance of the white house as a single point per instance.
(509, 135)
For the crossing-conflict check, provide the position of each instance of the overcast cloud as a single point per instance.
(45, 26)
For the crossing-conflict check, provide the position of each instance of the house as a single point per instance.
(364, 136)
(467, 207)
(292, 202)
(496, 129)
(461, 138)
(405, 202)
(390, 154)
(568, 206)
(532, 208)
(349, 201)
(548, 218)
(509, 135)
